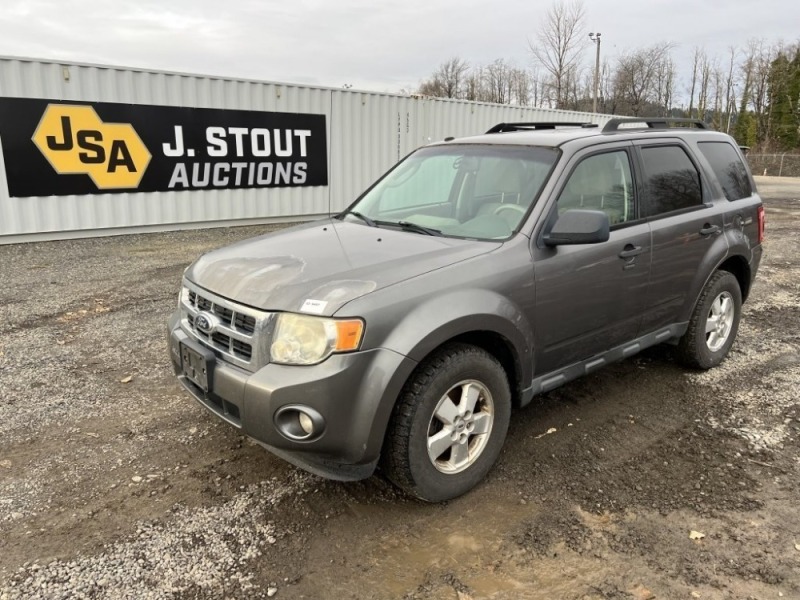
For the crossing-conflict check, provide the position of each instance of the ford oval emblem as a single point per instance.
(205, 323)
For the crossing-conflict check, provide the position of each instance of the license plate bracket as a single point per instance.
(198, 367)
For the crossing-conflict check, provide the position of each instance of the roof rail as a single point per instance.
(652, 123)
(501, 127)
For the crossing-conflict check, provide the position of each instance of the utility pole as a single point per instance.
(595, 37)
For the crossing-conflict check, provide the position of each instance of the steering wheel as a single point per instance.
(514, 207)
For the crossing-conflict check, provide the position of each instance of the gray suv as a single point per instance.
(475, 274)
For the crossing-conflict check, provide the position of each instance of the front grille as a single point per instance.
(245, 323)
(240, 321)
(242, 349)
(225, 314)
(221, 340)
(235, 326)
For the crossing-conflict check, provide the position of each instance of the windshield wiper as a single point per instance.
(409, 226)
(406, 225)
(364, 218)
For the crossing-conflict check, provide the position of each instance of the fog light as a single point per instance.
(306, 424)
(299, 423)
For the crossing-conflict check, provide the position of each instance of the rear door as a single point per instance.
(589, 297)
(735, 182)
(677, 201)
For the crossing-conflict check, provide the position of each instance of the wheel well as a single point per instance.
(499, 347)
(738, 267)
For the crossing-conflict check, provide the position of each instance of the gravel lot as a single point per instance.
(115, 484)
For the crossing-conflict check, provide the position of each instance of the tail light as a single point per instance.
(761, 224)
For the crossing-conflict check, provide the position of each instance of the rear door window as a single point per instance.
(672, 182)
(729, 169)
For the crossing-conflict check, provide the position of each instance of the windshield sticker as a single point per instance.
(316, 307)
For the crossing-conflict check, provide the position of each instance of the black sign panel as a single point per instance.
(60, 148)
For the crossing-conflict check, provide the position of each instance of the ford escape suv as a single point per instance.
(477, 273)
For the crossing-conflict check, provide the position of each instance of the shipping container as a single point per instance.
(90, 150)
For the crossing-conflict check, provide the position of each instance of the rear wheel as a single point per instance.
(714, 323)
(449, 424)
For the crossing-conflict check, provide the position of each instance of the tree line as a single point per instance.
(751, 92)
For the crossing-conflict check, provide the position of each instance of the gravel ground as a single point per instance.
(114, 484)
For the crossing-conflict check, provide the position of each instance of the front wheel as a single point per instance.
(714, 323)
(449, 424)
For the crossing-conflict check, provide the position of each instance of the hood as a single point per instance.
(318, 267)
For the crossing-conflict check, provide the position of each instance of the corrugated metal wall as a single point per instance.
(367, 133)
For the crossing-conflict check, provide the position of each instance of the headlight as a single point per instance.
(307, 340)
(183, 295)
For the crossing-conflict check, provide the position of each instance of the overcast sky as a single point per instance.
(370, 45)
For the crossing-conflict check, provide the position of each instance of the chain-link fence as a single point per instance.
(780, 165)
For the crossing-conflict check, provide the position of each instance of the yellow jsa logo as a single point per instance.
(76, 141)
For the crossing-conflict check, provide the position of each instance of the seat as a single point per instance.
(580, 191)
(596, 184)
(505, 185)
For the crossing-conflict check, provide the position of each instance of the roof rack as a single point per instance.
(501, 127)
(652, 123)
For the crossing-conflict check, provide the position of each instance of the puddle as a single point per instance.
(438, 550)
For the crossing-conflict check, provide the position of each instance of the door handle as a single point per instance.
(630, 251)
(710, 230)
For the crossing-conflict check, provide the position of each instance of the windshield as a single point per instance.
(472, 191)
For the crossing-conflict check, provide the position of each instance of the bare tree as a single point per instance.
(752, 120)
(730, 91)
(559, 43)
(744, 119)
(635, 81)
(573, 90)
(763, 57)
(718, 78)
(498, 81)
(447, 80)
(431, 87)
(535, 87)
(521, 87)
(606, 102)
(473, 85)
(452, 73)
(697, 59)
(707, 68)
(750, 92)
(664, 84)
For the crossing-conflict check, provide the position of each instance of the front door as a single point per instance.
(589, 297)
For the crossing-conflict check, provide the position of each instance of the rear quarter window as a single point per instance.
(729, 169)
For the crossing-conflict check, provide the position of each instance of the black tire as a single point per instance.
(695, 348)
(454, 369)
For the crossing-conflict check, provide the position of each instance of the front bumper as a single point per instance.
(354, 393)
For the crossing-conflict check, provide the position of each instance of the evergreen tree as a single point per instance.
(784, 105)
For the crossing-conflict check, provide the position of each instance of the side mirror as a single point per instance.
(579, 227)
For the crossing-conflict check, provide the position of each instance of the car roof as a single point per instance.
(547, 137)
(617, 129)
